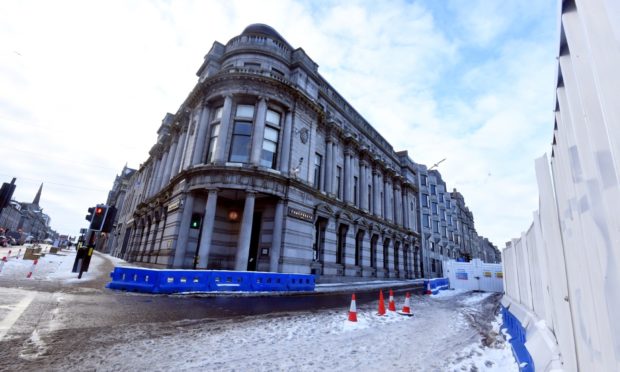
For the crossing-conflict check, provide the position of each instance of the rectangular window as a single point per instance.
(270, 148)
(215, 131)
(318, 162)
(444, 232)
(426, 220)
(441, 197)
(241, 142)
(425, 200)
(434, 207)
(370, 203)
(242, 134)
(436, 226)
(338, 180)
(448, 204)
(214, 134)
(252, 65)
(355, 181)
(424, 180)
(443, 215)
(433, 190)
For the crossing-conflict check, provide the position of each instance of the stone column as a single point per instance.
(364, 186)
(245, 233)
(181, 246)
(201, 137)
(386, 199)
(276, 240)
(285, 158)
(160, 172)
(153, 179)
(258, 132)
(405, 209)
(168, 169)
(348, 178)
(398, 207)
(206, 234)
(376, 208)
(328, 166)
(220, 155)
(177, 157)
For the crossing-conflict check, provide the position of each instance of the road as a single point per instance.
(50, 325)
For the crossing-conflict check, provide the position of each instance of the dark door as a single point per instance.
(254, 239)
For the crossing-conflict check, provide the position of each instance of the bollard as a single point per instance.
(19, 252)
(34, 264)
(2, 263)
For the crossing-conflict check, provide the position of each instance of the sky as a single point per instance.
(84, 86)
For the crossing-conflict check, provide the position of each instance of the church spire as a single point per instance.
(37, 198)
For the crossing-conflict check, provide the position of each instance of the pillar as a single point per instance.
(328, 166)
(177, 157)
(201, 137)
(276, 240)
(168, 168)
(245, 233)
(348, 178)
(220, 155)
(206, 234)
(376, 208)
(258, 132)
(285, 158)
(364, 186)
(181, 246)
(398, 205)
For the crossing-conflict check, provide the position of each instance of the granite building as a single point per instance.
(267, 167)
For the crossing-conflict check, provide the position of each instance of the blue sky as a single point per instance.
(85, 85)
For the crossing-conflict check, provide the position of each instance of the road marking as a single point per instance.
(11, 318)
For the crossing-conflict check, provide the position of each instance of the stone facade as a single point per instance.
(266, 167)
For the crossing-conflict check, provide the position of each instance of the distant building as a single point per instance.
(266, 167)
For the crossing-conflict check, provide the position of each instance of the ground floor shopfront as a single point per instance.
(258, 221)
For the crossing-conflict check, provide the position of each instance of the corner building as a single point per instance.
(266, 167)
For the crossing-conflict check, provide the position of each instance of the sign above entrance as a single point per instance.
(300, 214)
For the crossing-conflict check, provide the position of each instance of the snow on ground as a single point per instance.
(50, 267)
(439, 337)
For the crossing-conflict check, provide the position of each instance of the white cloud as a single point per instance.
(93, 80)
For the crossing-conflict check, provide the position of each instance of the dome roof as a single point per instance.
(265, 30)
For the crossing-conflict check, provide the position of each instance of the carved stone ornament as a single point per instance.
(303, 135)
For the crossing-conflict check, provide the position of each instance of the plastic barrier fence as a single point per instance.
(143, 280)
(517, 332)
(437, 284)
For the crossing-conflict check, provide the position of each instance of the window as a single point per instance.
(426, 221)
(242, 134)
(424, 180)
(434, 207)
(355, 181)
(436, 226)
(277, 72)
(381, 206)
(252, 65)
(425, 200)
(448, 204)
(444, 232)
(443, 215)
(270, 140)
(318, 161)
(370, 203)
(433, 190)
(338, 180)
(441, 197)
(215, 131)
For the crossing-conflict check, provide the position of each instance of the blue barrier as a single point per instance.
(300, 282)
(175, 281)
(437, 284)
(517, 333)
(134, 279)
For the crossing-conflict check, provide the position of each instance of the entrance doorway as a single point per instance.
(254, 241)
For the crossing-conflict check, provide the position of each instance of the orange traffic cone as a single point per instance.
(391, 304)
(406, 309)
(381, 310)
(353, 310)
(428, 288)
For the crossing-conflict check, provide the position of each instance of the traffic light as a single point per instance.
(89, 216)
(196, 220)
(108, 224)
(98, 217)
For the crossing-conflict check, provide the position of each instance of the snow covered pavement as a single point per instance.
(453, 331)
